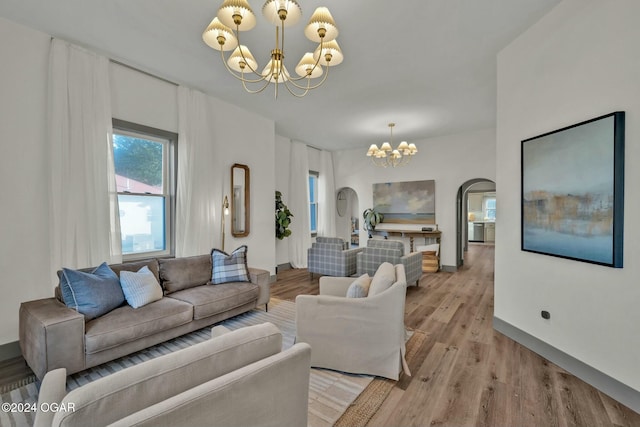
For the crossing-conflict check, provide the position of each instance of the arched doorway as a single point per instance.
(348, 215)
(476, 185)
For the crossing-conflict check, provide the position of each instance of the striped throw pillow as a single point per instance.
(229, 267)
(140, 287)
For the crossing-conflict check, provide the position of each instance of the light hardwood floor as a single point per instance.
(466, 373)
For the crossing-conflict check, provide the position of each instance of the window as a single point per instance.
(313, 201)
(490, 208)
(144, 161)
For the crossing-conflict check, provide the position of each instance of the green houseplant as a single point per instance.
(372, 218)
(283, 218)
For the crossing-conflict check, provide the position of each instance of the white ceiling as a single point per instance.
(427, 65)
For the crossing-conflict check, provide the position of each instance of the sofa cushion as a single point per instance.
(229, 267)
(151, 264)
(214, 299)
(383, 279)
(360, 287)
(183, 273)
(92, 294)
(126, 324)
(140, 288)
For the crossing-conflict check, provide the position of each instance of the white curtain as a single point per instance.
(300, 239)
(200, 178)
(84, 219)
(326, 196)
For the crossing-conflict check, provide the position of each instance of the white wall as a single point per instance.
(449, 160)
(579, 62)
(24, 244)
(282, 162)
(141, 99)
(249, 139)
(24, 236)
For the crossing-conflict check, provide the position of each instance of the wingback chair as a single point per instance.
(331, 256)
(379, 251)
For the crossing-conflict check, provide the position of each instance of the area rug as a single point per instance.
(332, 395)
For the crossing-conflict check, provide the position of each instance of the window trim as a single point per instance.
(123, 127)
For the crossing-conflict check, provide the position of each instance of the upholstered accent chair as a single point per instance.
(379, 251)
(360, 335)
(331, 256)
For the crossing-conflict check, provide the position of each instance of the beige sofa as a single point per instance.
(239, 378)
(356, 335)
(53, 335)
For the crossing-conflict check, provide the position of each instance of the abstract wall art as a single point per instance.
(573, 191)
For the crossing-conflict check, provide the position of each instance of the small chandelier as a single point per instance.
(386, 156)
(237, 14)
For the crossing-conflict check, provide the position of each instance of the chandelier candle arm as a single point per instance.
(241, 77)
(321, 28)
(387, 156)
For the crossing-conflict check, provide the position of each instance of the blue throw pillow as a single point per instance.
(229, 268)
(92, 294)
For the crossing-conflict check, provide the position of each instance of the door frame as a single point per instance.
(461, 217)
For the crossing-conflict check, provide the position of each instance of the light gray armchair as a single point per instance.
(379, 251)
(331, 256)
(355, 335)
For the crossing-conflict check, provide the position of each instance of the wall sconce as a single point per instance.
(225, 212)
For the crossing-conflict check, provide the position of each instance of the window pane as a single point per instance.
(312, 188)
(313, 202)
(138, 164)
(142, 223)
(313, 218)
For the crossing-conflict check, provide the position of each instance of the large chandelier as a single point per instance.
(386, 156)
(237, 14)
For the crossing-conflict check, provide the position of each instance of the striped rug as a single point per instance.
(330, 392)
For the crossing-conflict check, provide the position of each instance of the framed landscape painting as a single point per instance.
(573, 191)
(406, 202)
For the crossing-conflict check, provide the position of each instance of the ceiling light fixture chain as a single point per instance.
(238, 14)
(386, 156)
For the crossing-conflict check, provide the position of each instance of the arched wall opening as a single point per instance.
(463, 219)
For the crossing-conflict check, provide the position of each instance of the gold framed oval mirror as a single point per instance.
(240, 196)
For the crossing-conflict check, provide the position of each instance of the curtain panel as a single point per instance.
(300, 239)
(84, 217)
(326, 196)
(198, 198)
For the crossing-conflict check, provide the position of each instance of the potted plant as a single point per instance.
(372, 218)
(283, 218)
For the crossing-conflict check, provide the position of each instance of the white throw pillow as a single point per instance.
(140, 288)
(383, 279)
(360, 287)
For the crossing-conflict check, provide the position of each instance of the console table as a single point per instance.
(411, 234)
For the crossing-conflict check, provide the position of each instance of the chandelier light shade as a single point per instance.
(386, 156)
(234, 16)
